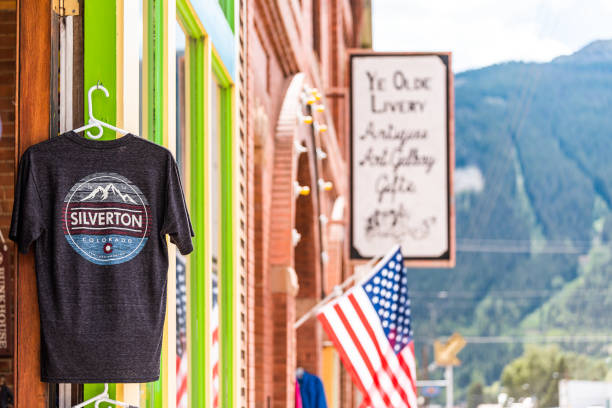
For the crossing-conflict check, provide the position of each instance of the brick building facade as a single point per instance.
(296, 68)
(8, 33)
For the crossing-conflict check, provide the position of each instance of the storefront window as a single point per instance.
(215, 236)
(182, 272)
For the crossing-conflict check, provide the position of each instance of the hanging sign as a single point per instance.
(402, 156)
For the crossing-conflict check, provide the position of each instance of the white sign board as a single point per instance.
(401, 155)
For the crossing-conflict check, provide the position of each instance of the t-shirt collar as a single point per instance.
(98, 144)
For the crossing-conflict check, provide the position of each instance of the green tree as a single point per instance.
(475, 395)
(538, 371)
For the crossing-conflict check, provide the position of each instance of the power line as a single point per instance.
(491, 249)
(484, 245)
(588, 338)
(503, 294)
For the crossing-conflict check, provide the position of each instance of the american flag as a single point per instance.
(214, 327)
(370, 326)
(182, 365)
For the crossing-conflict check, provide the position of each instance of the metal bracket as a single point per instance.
(65, 8)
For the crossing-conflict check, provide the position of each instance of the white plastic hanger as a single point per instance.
(93, 122)
(104, 397)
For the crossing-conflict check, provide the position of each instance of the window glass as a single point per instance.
(215, 207)
(182, 273)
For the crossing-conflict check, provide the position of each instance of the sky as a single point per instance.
(485, 32)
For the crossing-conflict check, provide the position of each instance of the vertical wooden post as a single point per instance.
(32, 126)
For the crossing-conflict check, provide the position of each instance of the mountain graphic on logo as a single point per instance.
(110, 188)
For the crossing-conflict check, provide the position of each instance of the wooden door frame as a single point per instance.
(32, 116)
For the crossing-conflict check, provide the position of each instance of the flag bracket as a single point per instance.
(337, 291)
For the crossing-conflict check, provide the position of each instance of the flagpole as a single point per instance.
(337, 291)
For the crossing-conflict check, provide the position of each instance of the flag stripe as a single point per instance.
(383, 358)
(386, 382)
(181, 391)
(353, 355)
(404, 376)
(362, 353)
(344, 356)
(409, 368)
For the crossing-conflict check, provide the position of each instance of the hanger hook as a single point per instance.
(92, 119)
(101, 130)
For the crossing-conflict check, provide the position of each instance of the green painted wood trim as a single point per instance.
(154, 393)
(189, 19)
(100, 61)
(155, 124)
(220, 73)
(100, 64)
(198, 273)
(155, 68)
(91, 390)
(228, 298)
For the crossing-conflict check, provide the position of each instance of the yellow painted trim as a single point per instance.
(202, 31)
(169, 140)
(330, 373)
(128, 69)
(187, 159)
(167, 54)
(164, 362)
(119, 9)
(123, 392)
(226, 75)
(144, 130)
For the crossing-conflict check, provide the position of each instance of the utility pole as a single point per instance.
(448, 376)
(446, 356)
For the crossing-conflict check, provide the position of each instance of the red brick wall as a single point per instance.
(8, 43)
(279, 43)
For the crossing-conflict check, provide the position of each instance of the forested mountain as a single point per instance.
(538, 136)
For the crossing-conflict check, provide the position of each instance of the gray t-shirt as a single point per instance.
(99, 212)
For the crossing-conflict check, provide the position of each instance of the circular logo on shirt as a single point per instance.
(106, 218)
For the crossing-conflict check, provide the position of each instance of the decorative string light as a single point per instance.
(324, 257)
(325, 185)
(300, 148)
(307, 119)
(323, 219)
(295, 236)
(300, 190)
(320, 127)
(319, 107)
(317, 95)
(321, 153)
(310, 100)
(313, 92)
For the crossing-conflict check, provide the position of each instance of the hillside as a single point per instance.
(539, 137)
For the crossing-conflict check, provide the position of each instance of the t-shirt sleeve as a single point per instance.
(26, 221)
(177, 223)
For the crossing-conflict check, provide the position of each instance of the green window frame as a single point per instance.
(203, 63)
